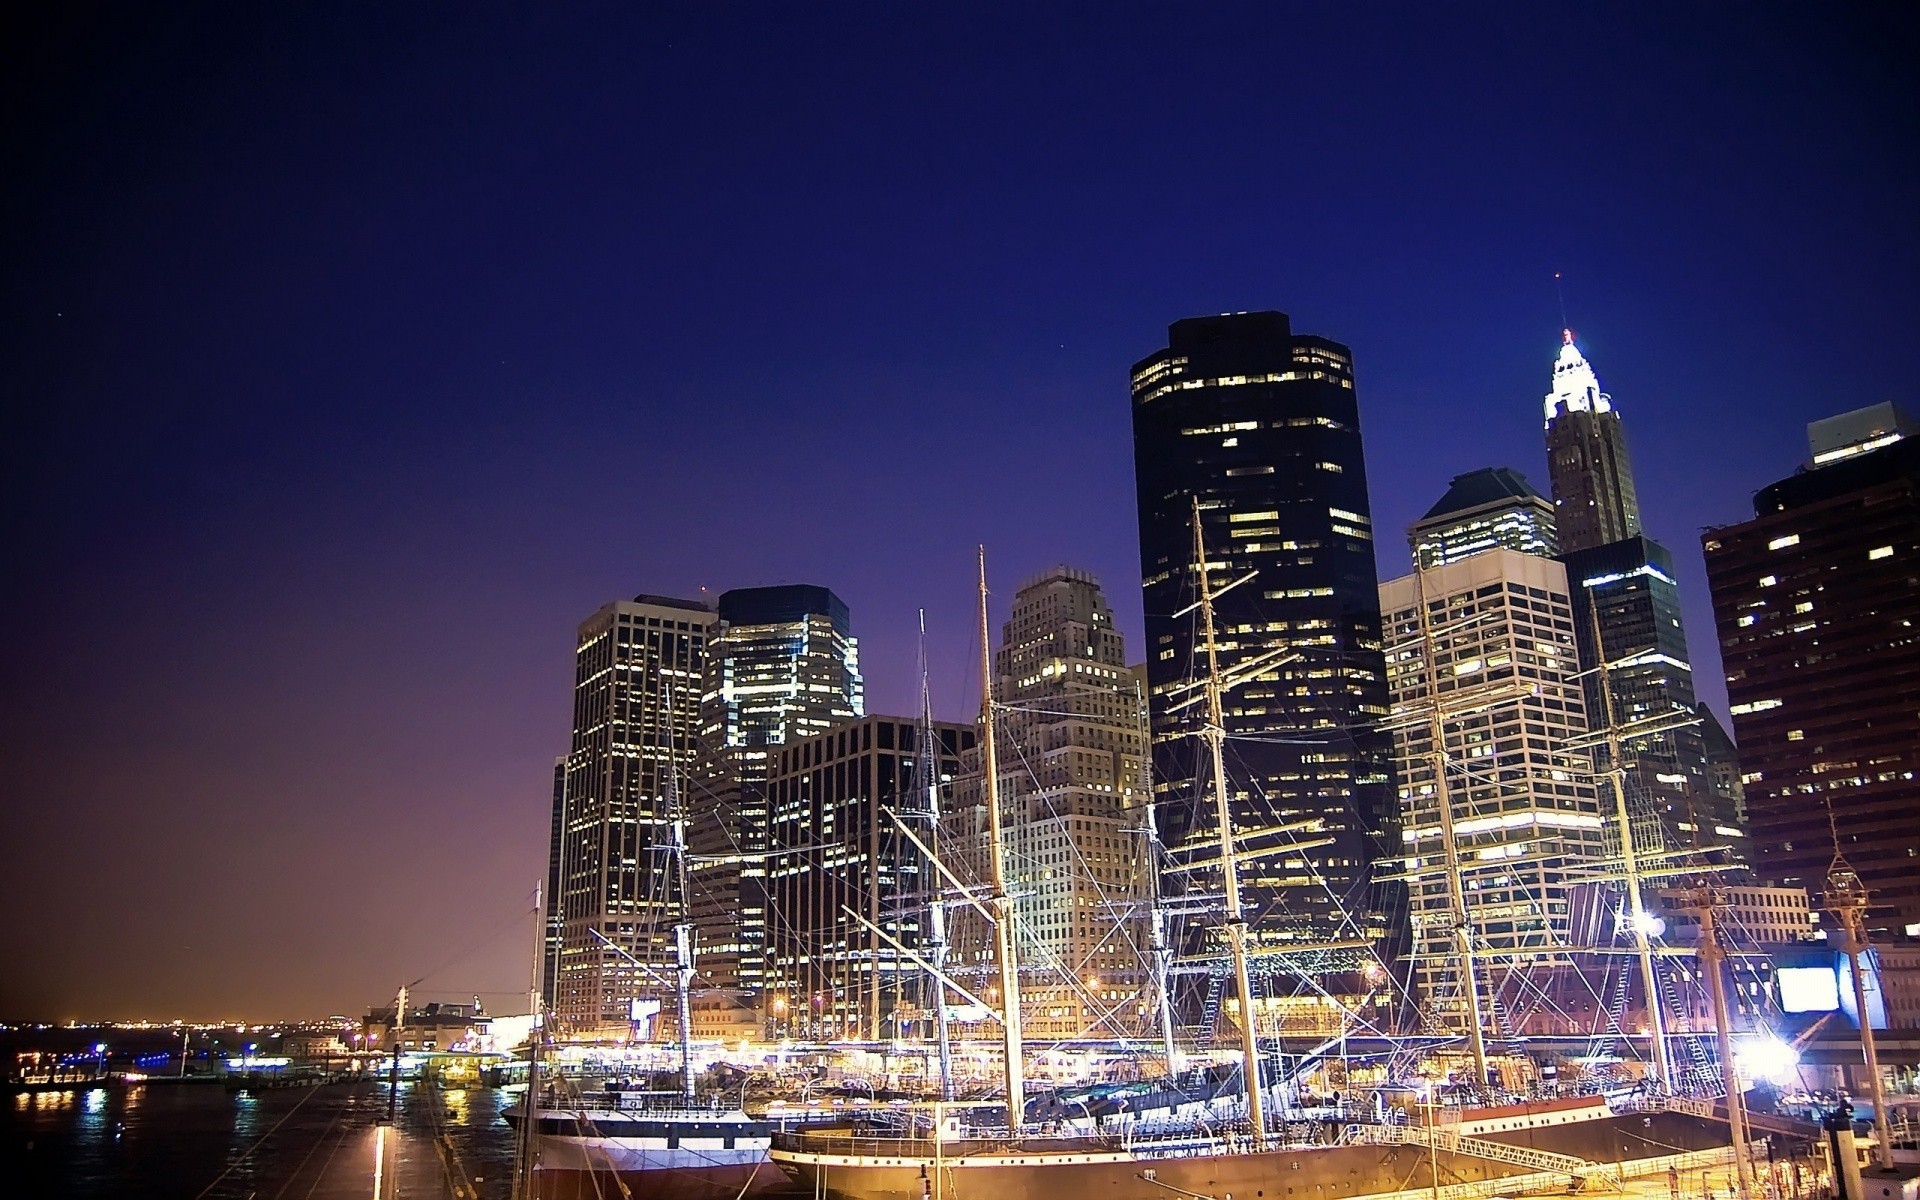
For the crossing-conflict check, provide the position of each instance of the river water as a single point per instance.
(201, 1142)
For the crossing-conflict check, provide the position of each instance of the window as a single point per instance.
(1880, 552)
(1781, 543)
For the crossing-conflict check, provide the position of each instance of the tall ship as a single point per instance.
(1429, 1143)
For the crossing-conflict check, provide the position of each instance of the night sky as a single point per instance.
(354, 357)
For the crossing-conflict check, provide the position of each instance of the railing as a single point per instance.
(1483, 1148)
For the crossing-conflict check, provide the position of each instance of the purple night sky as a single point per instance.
(355, 358)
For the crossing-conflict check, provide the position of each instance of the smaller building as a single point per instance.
(1484, 509)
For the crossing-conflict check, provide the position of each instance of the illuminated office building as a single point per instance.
(835, 849)
(783, 665)
(1261, 426)
(1495, 659)
(1817, 600)
(1494, 506)
(1626, 581)
(1593, 494)
(638, 666)
(1073, 794)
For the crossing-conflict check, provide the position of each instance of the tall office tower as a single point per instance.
(636, 718)
(1260, 426)
(1592, 477)
(783, 665)
(1817, 600)
(550, 898)
(1494, 663)
(1494, 506)
(1628, 579)
(835, 850)
(1073, 799)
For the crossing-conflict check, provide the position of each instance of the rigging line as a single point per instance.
(320, 1176)
(488, 939)
(294, 1177)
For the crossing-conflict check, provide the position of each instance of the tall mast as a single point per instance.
(1215, 735)
(529, 1147)
(936, 907)
(1705, 900)
(1847, 897)
(1450, 851)
(1157, 940)
(1637, 916)
(1003, 932)
(683, 928)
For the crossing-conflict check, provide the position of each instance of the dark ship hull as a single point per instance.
(832, 1163)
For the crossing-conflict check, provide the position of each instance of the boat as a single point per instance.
(945, 1150)
(660, 1145)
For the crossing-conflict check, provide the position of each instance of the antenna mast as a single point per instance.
(936, 907)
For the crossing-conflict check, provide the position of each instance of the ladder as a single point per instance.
(1210, 1013)
(1483, 1148)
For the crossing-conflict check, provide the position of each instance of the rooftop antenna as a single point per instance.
(1560, 292)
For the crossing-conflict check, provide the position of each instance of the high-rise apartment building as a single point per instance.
(1593, 494)
(1492, 665)
(1626, 581)
(783, 665)
(1260, 427)
(1493, 506)
(1073, 751)
(1817, 600)
(638, 667)
(835, 849)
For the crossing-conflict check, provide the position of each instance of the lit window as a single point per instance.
(1781, 543)
(1795, 735)
(1769, 580)
(1880, 552)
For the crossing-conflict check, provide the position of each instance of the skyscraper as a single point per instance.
(1593, 494)
(834, 849)
(1261, 428)
(550, 896)
(783, 665)
(636, 709)
(1493, 665)
(1624, 582)
(1073, 795)
(1493, 506)
(1817, 600)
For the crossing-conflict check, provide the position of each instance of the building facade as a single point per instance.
(1817, 600)
(1492, 665)
(638, 667)
(1483, 509)
(1593, 494)
(783, 665)
(1073, 749)
(550, 897)
(834, 849)
(1261, 428)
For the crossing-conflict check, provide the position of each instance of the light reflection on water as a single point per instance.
(174, 1140)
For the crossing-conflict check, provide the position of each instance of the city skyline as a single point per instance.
(360, 363)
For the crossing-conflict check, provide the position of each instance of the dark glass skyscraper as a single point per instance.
(1818, 604)
(1261, 427)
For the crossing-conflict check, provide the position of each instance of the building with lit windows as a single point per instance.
(1817, 600)
(1593, 495)
(550, 897)
(783, 665)
(1493, 664)
(1626, 581)
(1494, 506)
(834, 850)
(638, 666)
(1261, 427)
(1072, 726)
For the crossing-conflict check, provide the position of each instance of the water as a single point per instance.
(191, 1141)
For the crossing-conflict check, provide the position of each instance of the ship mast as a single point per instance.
(1637, 916)
(1704, 903)
(528, 1157)
(1214, 733)
(1003, 931)
(936, 907)
(1450, 852)
(1847, 898)
(1157, 941)
(683, 928)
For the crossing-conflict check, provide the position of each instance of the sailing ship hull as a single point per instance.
(970, 1170)
(588, 1168)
